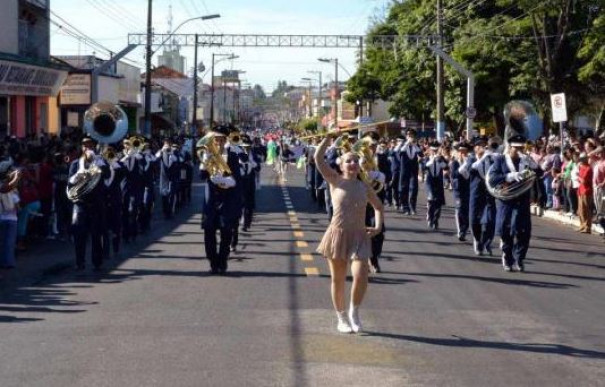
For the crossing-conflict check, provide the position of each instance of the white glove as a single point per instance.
(514, 176)
(223, 182)
(377, 176)
(99, 162)
(165, 148)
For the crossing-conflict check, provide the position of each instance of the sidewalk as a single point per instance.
(568, 220)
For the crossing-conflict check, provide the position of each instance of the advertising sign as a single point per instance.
(76, 90)
(22, 79)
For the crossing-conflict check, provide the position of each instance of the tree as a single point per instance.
(517, 49)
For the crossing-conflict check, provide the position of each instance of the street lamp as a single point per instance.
(335, 108)
(228, 57)
(149, 53)
(310, 81)
(319, 98)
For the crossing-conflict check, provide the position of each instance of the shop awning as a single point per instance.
(20, 76)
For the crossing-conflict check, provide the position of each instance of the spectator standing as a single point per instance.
(585, 195)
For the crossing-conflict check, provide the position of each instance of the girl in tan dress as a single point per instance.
(347, 238)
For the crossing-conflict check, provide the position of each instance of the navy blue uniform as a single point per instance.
(221, 211)
(460, 174)
(88, 214)
(409, 155)
(482, 205)
(112, 237)
(133, 195)
(392, 190)
(434, 190)
(513, 219)
(149, 176)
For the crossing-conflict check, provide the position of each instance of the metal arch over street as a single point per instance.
(309, 41)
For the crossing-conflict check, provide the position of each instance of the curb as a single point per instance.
(568, 220)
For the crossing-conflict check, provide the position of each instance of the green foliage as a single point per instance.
(307, 125)
(517, 49)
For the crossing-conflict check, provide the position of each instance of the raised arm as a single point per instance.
(329, 174)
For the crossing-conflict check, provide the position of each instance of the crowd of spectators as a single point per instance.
(33, 190)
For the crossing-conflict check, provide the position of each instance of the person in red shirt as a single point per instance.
(585, 195)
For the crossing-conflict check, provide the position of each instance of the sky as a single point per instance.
(110, 21)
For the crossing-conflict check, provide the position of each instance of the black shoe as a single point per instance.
(462, 238)
(232, 249)
(488, 250)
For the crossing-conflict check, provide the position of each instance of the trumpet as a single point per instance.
(235, 138)
(109, 154)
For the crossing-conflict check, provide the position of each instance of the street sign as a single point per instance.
(471, 112)
(559, 109)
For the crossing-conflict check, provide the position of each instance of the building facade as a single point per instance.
(120, 85)
(29, 79)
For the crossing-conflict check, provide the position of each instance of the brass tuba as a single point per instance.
(509, 191)
(214, 163)
(367, 162)
(105, 122)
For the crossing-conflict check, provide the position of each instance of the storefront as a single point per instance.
(26, 91)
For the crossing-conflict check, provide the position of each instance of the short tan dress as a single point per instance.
(346, 236)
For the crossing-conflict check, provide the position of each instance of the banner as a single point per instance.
(22, 79)
(76, 90)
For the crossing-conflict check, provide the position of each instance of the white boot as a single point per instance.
(343, 323)
(354, 318)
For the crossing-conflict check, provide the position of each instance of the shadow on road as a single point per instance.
(462, 342)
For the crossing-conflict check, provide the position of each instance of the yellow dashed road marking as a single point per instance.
(302, 244)
(306, 257)
(311, 271)
(295, 225)
(299, 234)
(292, 213)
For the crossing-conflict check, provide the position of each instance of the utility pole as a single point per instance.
(336, 93)
(194, 119)
(440, 86)
(147, 128)
(212, 94)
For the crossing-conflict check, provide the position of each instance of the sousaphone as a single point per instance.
(106, 123)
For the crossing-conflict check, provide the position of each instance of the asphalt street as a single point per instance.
(436, 316)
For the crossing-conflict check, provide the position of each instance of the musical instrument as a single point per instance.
(86, 182)
(107, 123)
(344, 143)
(214, 164)
(362, 148)
(521, 118)
(508, 191)
(336, 132)
(109, 154)
(235, 138)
